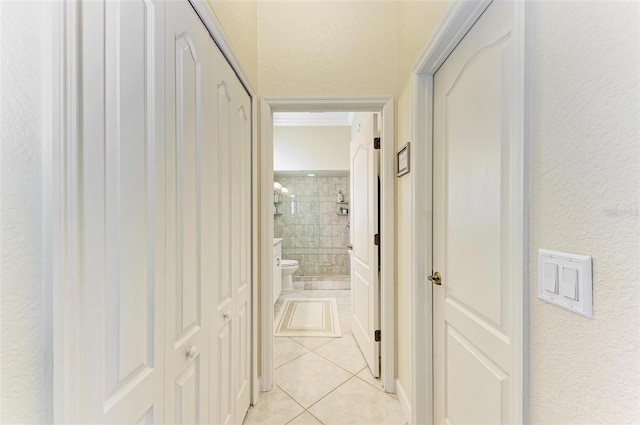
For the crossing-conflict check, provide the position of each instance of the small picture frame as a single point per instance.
(403, 160)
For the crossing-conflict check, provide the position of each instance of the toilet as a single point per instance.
(288, 268)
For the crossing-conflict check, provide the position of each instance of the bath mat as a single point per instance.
(308, 317)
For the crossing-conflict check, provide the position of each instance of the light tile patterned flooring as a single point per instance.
(323, 380)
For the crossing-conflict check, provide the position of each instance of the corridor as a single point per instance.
(323, 380)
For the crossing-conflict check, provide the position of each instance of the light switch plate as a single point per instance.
(566, 281)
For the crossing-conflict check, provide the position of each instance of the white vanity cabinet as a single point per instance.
(277, 268)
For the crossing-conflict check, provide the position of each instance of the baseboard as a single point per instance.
(404, 401)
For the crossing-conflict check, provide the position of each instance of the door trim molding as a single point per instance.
(458, 20)
(60, 218)
(268, 105)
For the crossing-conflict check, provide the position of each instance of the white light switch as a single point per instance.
(551, 278)
(566, 281)
(569, 284)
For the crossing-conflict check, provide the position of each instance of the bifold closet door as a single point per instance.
(164, 232)
(121, 234)
(189, 279)
(230, 170)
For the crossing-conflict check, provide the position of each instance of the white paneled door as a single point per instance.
(241, 246)
(189, 281)
(365, 289)
(227, 200)
(164, 295)
(476, 227)
(121, 294)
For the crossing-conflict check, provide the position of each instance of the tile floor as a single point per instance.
(323, 380)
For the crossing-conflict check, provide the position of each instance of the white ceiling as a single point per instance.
(313, 119)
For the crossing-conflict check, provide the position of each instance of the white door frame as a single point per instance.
(60, 218)
(458, 20)
(387, 225)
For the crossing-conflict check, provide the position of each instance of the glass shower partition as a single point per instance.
(315, 226)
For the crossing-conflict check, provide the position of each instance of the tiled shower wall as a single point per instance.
(313, 233)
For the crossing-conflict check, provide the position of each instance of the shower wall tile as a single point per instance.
(312, 231)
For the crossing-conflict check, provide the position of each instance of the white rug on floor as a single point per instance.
(308, 317)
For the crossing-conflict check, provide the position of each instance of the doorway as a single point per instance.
(384, 107)
(452, 174)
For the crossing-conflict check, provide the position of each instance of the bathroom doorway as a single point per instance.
(306, 166)
(311, 198)
(320, 341)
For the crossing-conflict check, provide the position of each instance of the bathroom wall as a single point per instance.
(313, 233)
(311, 148)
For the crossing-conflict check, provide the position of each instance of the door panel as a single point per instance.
(474, 344)
(475, 250)
(472, 375)
(242, 227)
(223, 320)
(188, 111)
(186, 395)
(122, 214)
(230, 205)
(188, 285)
(364, 258)
(165, 209)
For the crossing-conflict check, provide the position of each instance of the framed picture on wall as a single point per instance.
(402, 160)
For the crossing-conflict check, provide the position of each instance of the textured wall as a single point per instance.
(238, 19)
(311, 148)
(312, 232)
(327, 48)
(25, 31)
(585, 175)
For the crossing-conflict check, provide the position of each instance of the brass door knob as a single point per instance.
(436, 278)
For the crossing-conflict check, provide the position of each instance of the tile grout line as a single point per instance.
(377, 388)
(290, 360)
(331, 392)
(334, 363)
(298, 403)
(314, 349)
(341, 367)
(310, 414)
(336, 388)
(314, 417)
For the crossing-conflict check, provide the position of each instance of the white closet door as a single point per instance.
(229, 205)
(188, 282)
(242, 249)
(121, 214)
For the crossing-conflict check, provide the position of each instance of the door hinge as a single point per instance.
(377, 335)
(376, 143)
(376, 239)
